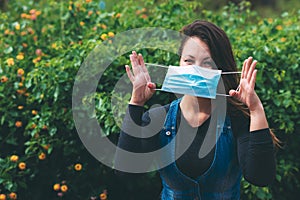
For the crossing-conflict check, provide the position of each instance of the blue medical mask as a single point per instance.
(192, 80)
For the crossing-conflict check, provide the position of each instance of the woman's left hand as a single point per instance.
(245, 92)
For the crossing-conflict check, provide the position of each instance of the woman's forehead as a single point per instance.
(196, 48)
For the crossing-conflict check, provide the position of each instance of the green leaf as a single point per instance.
(8, 50)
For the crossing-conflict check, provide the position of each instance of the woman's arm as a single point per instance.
(255, 152)
(255, 145)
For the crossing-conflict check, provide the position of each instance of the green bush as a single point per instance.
(42, 46)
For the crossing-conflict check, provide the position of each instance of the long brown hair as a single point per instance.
(221, 52)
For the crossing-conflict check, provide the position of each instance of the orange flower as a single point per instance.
(12, 195)
(56, 187)
(38, 52)
(30, 30)
(111, 34)
(103, 36)
(54, 45)
(18, 124)
(283, 39)
(32, 11)
(46, 147)
(10, 61)
(20, 107)
(24, 45)
(37, 59)
(4, 79)
(118, 15)
(270, 20)
(103, 26)
(64, 188)
(23, 15)
(42, 156)
(6, 32)
(20, 72)
(2, 197)
(33, 126)
(20, 84)
(22, 166)
(45, 127)
(279, 28)
(88, 1)
(144, 16)
(23, 33)
(33, 17)
(90, 13)
(20, 92)
(17, 26)
(20, 56)
(103, 196)
(28, 16)
(14, 158)
(34, 112)
(81, 23)
(38, 13)
(78, 167)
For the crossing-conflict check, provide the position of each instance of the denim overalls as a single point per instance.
(220, 181)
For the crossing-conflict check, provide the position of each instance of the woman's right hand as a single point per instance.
(143, 88)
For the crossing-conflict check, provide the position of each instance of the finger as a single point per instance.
(243, 69)
(143, 67)
(251, 69)
(134, 60)
(247, 66)
(129, 74)
(134, 63)
(253, 79)
(233, 93)
(134, 53)
(151, 85)
(141, 61)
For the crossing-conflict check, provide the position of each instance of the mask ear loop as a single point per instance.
(156, 65)
(237, 89)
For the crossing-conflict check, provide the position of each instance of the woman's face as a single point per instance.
(196, 52)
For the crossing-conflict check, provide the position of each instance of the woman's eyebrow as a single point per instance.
(189, 56)
(207, 58)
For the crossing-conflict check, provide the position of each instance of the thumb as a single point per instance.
(233, 93)
(151, 85)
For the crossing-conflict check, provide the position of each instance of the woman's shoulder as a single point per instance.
(156, 111)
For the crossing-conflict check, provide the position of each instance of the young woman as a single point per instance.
(243, 147)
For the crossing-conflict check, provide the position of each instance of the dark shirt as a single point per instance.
(255, 150)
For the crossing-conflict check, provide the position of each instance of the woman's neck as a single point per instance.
(195, 110)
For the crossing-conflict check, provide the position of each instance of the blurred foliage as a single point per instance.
(44, 43)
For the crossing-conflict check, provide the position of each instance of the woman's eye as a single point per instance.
(188, 61)
(208, 64)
